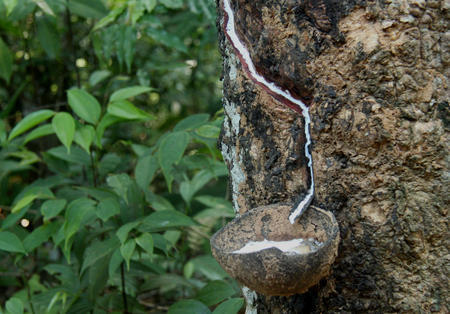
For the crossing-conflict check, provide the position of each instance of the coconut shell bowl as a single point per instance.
(305, 253)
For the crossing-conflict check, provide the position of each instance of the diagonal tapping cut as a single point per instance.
(284, 96)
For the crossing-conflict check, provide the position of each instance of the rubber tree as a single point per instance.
(374, 75)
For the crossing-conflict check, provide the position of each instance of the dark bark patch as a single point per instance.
(443, 110)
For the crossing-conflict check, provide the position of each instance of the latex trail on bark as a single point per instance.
(284, 96)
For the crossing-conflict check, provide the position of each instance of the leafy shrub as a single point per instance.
(103, 205)
(91, 232)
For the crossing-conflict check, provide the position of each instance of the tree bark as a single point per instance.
(375, 77)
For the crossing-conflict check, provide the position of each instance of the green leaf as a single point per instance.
(188, 270)
(209, 267)
(231, 306)
(48, 36)
(157, 201)
(105, 122)
(108, 19)
(98, 77)
(98, 250)
(128, 92)
(26, 157)
(66, 275)
(189, 188)
(24, 201)
(84, 105)
(192, 122)
(215, 213)
(214, 202)
(165, 282)
(114, 262)
(85, 136)
(129, 46)
(165, 219)
(99, 194)
(10, 5)
(98, 278)
(14, 306)
(88, 8)
(127, 251)
(44, 6)
(6, 61)
(172, 236)
(2, 131)
(39, 132)
(52, 208)
(145, 241)
(208, 131)
(64, 127)
(161, 243)
(167, 39)
(120, 183)
(126, 110)
(56, 297)
(30, 121)
(123, 231)
(149, 5)
(10, 242)
(215, 292)
(123, 39)
(12, 219)
(145, 170)
(135, 10)
(189, 306)
(41, 187)
(171, 150)
(109, 164)
(39, 236)
(172, 4)
(107, 208)
(75, 213)
(136, 203)
(76, 155)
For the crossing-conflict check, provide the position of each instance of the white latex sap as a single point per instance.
(295, 246)
(261, 80)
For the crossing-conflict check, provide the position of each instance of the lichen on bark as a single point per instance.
(375, 74)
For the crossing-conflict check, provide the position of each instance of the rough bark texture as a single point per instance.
(375, 74)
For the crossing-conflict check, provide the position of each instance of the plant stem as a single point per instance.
(124, 295)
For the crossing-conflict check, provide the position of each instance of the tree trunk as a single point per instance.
(374, 75)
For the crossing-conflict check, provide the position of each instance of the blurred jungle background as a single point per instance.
(110, 179)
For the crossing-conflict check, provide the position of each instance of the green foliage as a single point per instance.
(171, 150)
(6, 60)
(10, 242)
(64, 128)
(14, 306)
(230, 306)
(30, 121)
(84, 105)
(189, 306)
(110, 181)
(215, 292)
